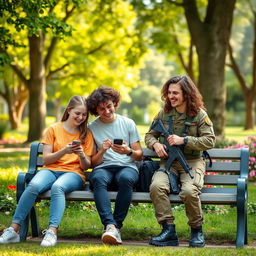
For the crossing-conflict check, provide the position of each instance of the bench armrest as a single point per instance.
(244, 164)
(32, 166)
(22, 179)
(242, 191)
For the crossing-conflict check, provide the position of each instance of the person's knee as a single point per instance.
(98, 179)
(126, 180)
(57, 188)
(188, 192)
(157, 187)
(33, 188)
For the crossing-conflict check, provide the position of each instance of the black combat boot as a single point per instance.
(168, 236)
(197, 237)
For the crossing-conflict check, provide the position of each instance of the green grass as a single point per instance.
(98, 250)
(82, 221)
(238, 133)
(140, 222)
(64, 249)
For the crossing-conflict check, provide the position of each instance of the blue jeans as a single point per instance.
(59, 183)
(124, 178)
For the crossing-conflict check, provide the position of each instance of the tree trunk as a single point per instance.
(16, 98)
(211, 40)
(15, 113)
(249, 108)
(37, 89)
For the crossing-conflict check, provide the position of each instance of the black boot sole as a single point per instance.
(161, 244)
(196, 245)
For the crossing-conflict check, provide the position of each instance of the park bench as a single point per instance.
(228, 187)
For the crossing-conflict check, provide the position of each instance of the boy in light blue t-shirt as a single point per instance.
(113, 163)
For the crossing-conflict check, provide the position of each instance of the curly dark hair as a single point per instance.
(102, 95)
(191, 95)
(73, 102)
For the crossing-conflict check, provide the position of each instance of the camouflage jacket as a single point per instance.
(200, 132)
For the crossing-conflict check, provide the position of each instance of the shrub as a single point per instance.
(249, 142)
(7, 199)
(3, 128)
(222, 142)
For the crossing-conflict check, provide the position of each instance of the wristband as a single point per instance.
(130, 153)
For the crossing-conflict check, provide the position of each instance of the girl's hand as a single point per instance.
(69, 148)
(77, 149)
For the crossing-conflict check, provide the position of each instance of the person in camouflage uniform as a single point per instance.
(193, 130)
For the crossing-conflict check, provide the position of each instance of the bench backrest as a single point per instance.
(227, 166)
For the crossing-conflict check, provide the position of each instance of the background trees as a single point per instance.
(51, 50)
(242, 58)
(104, 48)
(209, 27)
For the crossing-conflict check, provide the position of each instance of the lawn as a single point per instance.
(66, 249)
(140, 223)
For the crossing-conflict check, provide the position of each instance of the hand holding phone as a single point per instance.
(118, 141)
(76, 142)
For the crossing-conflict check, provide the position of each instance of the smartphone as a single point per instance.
(118, 141)
(76, 142)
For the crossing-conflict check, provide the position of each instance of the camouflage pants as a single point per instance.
(190, 190)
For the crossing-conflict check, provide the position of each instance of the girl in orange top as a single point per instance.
(68, 147)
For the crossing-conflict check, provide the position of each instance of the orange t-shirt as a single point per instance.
(58, 137)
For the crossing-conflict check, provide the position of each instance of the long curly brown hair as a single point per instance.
(191, 95)
(102, 95)
(73, 102)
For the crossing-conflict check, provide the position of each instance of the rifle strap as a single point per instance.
(170, 124)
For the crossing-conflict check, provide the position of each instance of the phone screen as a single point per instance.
(118, 141)
(76, 142)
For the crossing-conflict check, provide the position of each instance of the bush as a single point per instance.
(249, 142)
(7, 199)
(3, 128)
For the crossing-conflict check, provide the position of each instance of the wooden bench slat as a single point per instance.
(216, 166)
(218, 153)
(221, 179)
(141, 197)
(223, 167)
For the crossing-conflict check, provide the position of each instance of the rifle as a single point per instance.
(174, 152)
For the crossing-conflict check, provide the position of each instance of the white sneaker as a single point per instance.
(112, 235)
(50, 239)
(9, 236)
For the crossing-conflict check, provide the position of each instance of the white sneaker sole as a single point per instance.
(108, 239)
(17, 240)
(47, 245)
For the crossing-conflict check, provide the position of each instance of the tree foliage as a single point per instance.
(104, 49)
(242, 58)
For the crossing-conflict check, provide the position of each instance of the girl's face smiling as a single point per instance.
(78, 114)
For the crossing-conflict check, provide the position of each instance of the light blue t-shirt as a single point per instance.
(122, 128)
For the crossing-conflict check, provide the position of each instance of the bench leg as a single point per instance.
(246, 231)
(34, 223)
(25, 225)
(241, 234)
